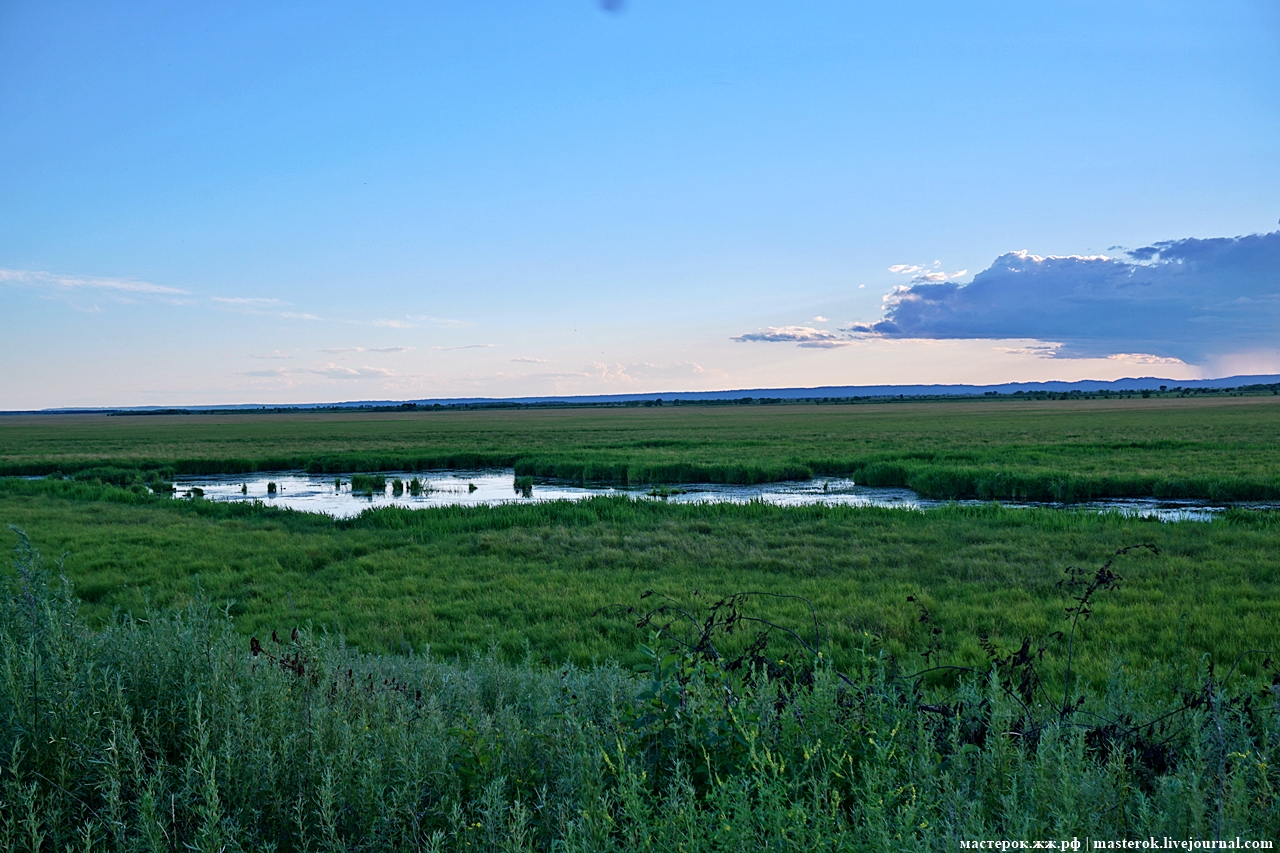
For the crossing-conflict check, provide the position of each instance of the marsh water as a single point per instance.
(333, 494)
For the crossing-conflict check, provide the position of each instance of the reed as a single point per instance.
(368, 484)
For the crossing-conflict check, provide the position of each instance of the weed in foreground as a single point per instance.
(174, 732)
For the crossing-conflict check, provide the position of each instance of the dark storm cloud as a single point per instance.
(1189, 299)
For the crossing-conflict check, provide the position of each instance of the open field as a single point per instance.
(459, 579)
(500, 721)
(1221, 448)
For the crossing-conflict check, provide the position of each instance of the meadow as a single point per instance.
(622, 674)
(1209, 446)
(167, 731)
(533, 578)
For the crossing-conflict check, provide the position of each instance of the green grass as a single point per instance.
(458, 579)
(1222, 447)
(368, 483)
(130, 723)
(171, 732)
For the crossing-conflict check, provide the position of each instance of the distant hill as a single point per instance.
(847, 391)
(1084, 386)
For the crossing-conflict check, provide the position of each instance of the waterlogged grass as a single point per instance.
(174, 733)
(368, 483)
(1001, 448)
(531, 578)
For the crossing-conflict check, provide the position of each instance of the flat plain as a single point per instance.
(536, 577)
(483, 677)
(1209, 446)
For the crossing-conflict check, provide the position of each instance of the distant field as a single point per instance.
(1223, 448)
(460, 579)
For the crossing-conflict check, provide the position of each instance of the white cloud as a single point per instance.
(924, 274)
(330, 371)
(436, 321)
(821, 319)
(83, 293)
(1144, 358)
(368, 349)
(50, 280)
(837, 344)
(636, 376)
(804, 336)
(257, 306)
(1043, 350)
(530, 360)
(466, 346)
(275, 354)
(339, 372)
(249, 301)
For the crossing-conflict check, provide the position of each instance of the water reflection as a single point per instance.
(334, 495)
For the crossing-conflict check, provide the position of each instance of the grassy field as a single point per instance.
(1221, 447)
(171, 733)
(460, 579)
(499, 722)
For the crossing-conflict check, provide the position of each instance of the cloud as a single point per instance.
(249, 301)
(1037, 350)
(331, 371)
(257, 305)
(920, 273)
(368, 349)
(637, 375)
(530, 360)
(67, 282)
(1144, 358)
(1190, 300)
(934, 277)
(836, 344)
(74, 289)
(337, 372)
(275, 354)
(436, 321)
(804, 336)
(466, 346)
(821, 319)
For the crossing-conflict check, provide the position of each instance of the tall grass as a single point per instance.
(175, 732)
(368, 483)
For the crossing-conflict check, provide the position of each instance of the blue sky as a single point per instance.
(289, 202)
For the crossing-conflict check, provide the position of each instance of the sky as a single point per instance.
(218, 203)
